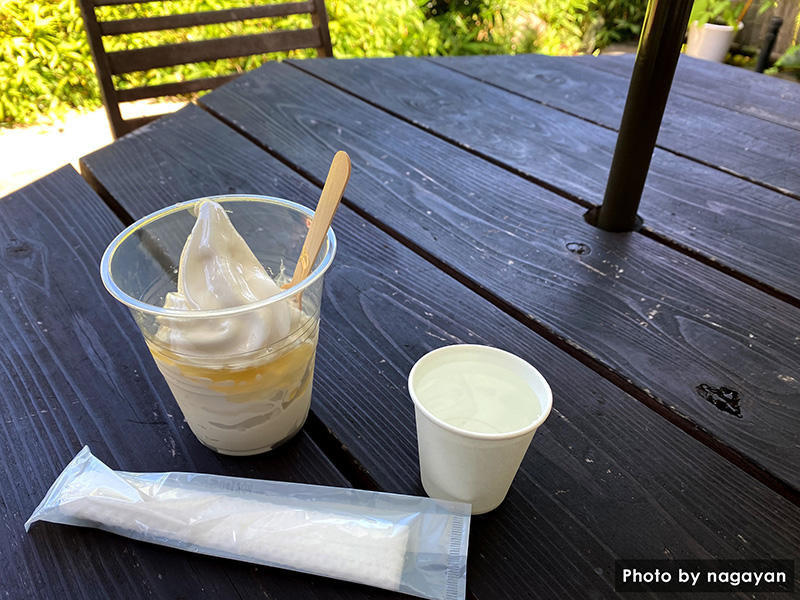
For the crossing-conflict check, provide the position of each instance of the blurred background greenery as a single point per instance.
(47, 69)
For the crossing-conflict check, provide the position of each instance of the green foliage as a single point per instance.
(46, 67)
(621, 21)
(464, 26)
(716, 11)
(380, 28)
(722, 12)
(369, 28)
(789, 62)
(588, 25)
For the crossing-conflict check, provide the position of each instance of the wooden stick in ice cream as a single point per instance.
(332, 191)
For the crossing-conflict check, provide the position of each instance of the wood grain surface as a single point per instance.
(742, 90)
(605, 478)
(641, 313)
(739, 225)
(746, 146)
(73, 371)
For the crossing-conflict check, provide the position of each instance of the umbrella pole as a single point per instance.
(656, 58)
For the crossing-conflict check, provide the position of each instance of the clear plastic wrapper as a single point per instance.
(404, 543)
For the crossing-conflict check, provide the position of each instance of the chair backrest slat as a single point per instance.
(168, 55)
(123, 2)
(110, 64)
(173, 89)
(210, 17)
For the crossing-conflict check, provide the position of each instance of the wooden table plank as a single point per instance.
(585, 495)
(758, 150)
(634, 309)
(756, 94)
(730, 222)
(750, 147)
(74, 370)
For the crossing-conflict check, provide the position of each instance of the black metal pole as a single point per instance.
(656, 58)
(769, 43)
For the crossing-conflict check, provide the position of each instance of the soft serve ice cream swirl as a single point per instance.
(243, 380)
(218, 270)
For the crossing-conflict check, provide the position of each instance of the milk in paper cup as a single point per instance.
(477, 409)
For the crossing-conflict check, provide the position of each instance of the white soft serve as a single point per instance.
(218, 270)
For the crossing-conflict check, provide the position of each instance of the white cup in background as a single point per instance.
(477, 409)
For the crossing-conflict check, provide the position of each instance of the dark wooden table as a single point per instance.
(672, 352)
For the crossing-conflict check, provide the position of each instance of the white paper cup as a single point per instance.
(477, 409)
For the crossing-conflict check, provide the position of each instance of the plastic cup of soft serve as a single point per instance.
(235, 403)
(477, 409)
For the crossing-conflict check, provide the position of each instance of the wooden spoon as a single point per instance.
(332, 191)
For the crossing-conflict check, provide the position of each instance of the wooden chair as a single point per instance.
(120, 62)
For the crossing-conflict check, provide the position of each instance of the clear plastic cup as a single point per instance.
(477, 409)
(237, 403)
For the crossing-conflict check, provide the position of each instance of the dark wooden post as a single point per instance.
(769, 43)
(659, 47)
